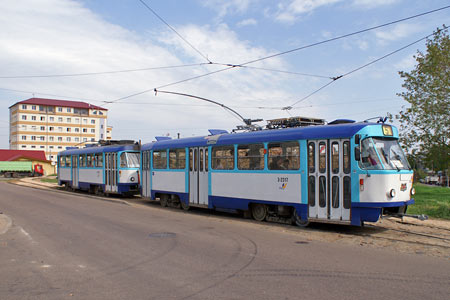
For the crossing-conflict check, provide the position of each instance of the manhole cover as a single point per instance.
(301, 242)
(162, 234)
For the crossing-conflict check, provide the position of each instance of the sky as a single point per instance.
(167, 44)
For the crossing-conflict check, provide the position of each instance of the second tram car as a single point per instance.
(111, 169)
(341, 173)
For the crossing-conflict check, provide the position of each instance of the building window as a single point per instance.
(42, 118)
(34, 128)
(101, 126)
(50, 109)
(41, 108)
(77, 139)
(24, 137)
(84, 139)
(51, 139)
(52, 119)
(33, 118)
(84, 129)
(24, 117)
(33, 107)
(42, 147)
(59, 139)
(92, 121)
(23, 146)
(24, 106)
(60, 119)
(101, 136)
(59, 109)
(60, 129)
(42, 138)
(69, 110)
(51, 147)
(68, 139)
(92, 130)
(84, 121)
(94, 112)
(51, 128)
(59, 147)
(43, 128)
(69, 120)
(33, 147)
(33, 137)
(68, 129)
(92, 140)
(100, 113)
(77, 120)
(24, 127)
(77, 129)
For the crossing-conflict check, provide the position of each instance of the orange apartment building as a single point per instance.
(53, 125)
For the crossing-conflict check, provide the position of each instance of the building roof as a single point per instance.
(11, 155)
(61, 103)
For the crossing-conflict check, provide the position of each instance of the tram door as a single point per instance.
(198, 175)
(111, 172)
(75, 171)
(329, 179)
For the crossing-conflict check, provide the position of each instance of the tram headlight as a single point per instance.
(413, 191)
(132, 179)
(392, 193)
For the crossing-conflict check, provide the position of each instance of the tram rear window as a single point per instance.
(223, 158)
(160, 159)
(284, 156)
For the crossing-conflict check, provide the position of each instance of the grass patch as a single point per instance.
(50, 180)
(433, 201)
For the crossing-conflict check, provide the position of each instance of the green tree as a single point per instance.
(425, 125)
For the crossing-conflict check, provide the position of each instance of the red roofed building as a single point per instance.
(36, 157)
(52, 125)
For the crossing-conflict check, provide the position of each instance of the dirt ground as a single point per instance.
(407, 235)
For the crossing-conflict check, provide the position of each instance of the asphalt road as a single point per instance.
(70, 246)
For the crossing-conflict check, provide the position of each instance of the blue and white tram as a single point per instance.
(112, 169)
(342, 173)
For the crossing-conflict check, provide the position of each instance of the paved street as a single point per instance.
(71, 246)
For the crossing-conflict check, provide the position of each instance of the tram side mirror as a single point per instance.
(357, 139)
(357, 153)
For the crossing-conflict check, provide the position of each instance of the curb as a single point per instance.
(57, 189)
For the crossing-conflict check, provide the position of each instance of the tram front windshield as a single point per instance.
(381, 153)
(129, 160)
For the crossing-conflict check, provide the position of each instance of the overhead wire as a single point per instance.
(361, 67)
(179, 35)
(101, 73)
(232, 66)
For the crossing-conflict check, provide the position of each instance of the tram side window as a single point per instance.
(346, 155)
(335, 157)
(89, 160)
(251, 157)
(177, 158)
(322, 157)
(62, 161)
(68, 161)
(160, 159)
(223, 158)
(98, 160)
(83, 160)
(284, 156)
(311, 158)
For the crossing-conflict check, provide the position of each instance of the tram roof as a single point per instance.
(98, 149)
(275, 135)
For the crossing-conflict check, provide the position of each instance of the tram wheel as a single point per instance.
(184, 205)
(163, 200)
(259, 211)
(298, 221)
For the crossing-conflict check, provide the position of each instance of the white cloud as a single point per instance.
(62, 36)
(225, 7)
(406, 64)
(397, 32)
(247, 22)
(288, 13)
(373, 3)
